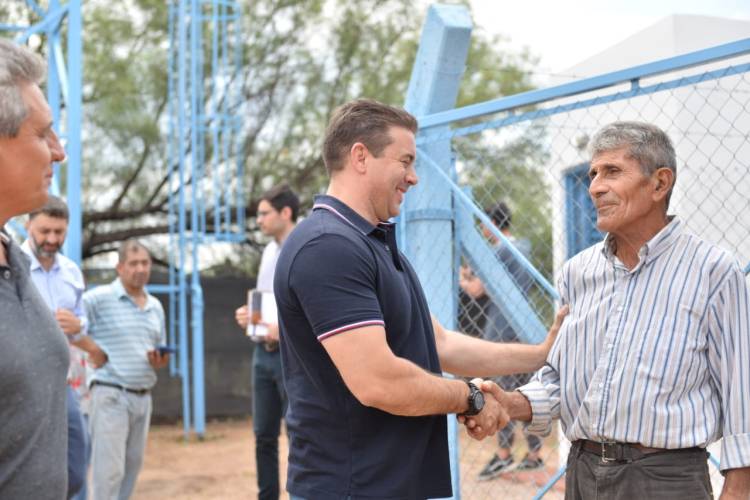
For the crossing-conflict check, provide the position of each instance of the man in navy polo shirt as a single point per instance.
(362, 357)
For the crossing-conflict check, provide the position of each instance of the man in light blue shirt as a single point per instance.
(128, 324)
(60, 283)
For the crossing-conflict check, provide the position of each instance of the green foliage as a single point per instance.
(301, 59)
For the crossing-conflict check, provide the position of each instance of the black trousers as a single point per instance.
(678, 475)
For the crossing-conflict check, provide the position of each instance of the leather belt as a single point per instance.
(271, 346)
(140, 392)
(618, 452)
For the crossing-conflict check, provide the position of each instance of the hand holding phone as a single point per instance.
(165, 349)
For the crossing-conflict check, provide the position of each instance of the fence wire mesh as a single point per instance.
(527, 169)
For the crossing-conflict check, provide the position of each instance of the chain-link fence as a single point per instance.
(526, 168)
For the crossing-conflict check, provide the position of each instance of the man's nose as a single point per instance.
(597, 188)
(55, 148)
(411, 175)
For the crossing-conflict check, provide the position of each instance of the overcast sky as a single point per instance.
(565, 33)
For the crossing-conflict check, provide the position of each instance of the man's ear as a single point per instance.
(286, 213)
(663, 180)
(357, 155)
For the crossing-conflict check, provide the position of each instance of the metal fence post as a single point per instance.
(426, 234)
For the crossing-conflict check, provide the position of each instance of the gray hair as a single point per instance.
(130, 245)
(18, 66)
(647, 144)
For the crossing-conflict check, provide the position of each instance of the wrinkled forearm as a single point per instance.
(471, 357)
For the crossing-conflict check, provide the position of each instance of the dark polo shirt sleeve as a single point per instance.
(335, 283)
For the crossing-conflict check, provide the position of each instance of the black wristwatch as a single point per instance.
(476, 400)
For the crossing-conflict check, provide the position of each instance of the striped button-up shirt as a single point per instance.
(126, 333)
(657, 355)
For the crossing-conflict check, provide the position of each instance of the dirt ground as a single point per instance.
(222, 466)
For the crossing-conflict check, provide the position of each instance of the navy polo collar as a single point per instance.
(385, 231)
(343, 211)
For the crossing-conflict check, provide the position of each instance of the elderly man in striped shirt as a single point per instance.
(653, 362)
(128, 324)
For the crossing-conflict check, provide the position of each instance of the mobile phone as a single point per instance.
(165, 349)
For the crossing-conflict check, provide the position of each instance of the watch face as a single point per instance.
(479, 401)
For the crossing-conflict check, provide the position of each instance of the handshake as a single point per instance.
(493, 417)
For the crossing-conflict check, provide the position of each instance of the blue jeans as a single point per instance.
(77, 445)
(83, 492)
(269, 405)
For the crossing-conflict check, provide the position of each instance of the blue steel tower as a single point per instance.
(206, 202)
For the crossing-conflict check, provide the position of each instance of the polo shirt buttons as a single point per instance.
(6, 274)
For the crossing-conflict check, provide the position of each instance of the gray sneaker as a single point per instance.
(495, 467)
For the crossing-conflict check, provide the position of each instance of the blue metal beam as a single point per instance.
(12, 27)
(50, 23)
(430, 243)
(499, 283)
(18, 228)
(533, 97)
(54, 98)
(160, 289)
(62, 73)
(182, 128)
(196, 164)
(442, 133)
(171, 205)
(544, 489)
(74, 118)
